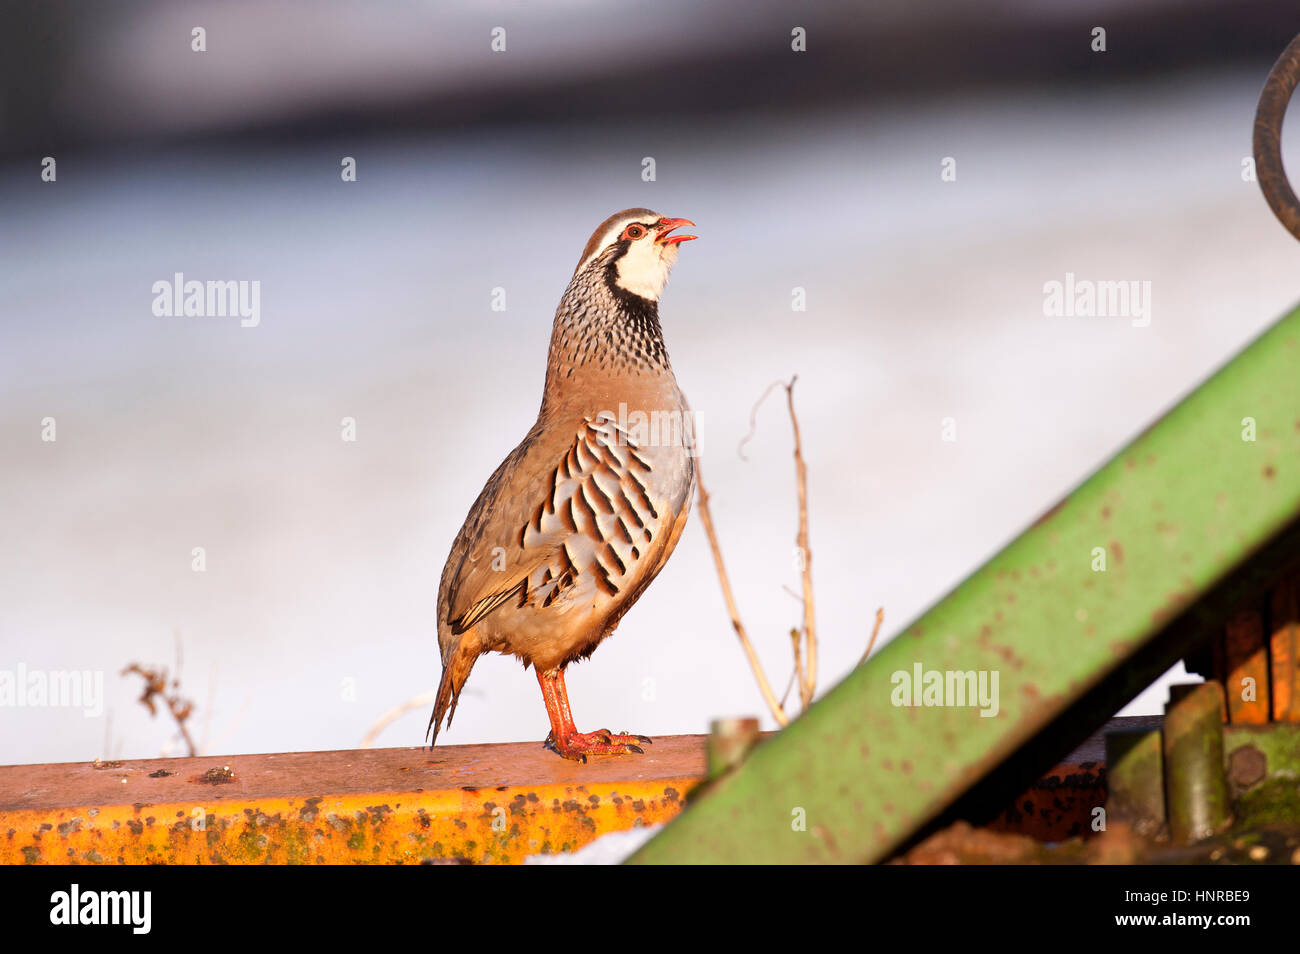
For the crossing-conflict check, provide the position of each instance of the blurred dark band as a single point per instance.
(89, 74)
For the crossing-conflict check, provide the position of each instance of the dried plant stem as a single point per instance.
(180, 713)
(422, 701)
(796, 639)
(706, 517)
(803, 639)
(808, 685)
(156, 684)
(875, 631)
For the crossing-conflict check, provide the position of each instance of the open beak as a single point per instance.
(667, 225)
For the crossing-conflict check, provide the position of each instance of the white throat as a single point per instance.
(644, 269)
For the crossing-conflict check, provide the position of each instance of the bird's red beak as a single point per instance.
(667, 225)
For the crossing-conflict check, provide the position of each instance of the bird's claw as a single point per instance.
(622, 738)
(578, 745)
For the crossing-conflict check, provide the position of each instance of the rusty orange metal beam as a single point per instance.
(477, 803)
(1284, 651)
(1246, 686)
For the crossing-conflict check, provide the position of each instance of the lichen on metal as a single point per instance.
(1135, 776)
(1196, 790)
(1105, 589)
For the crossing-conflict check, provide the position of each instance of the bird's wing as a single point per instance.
(551, 517)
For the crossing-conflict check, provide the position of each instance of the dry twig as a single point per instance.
(422, 701)
(156, 685)
(808, 684)
(803, 639)
(706, 517)
(875, 631)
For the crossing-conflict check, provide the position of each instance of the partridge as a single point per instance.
(584, 513)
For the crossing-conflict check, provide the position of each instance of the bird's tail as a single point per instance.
(454, 673)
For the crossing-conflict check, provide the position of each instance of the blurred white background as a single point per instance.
(316, 612)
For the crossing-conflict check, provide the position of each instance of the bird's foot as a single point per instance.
(578, 745)
(623, 738)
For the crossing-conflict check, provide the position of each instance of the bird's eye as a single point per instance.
(634, 231)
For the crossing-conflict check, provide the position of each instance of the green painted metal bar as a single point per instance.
(1186, 511)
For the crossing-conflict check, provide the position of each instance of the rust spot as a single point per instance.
(1269, 472)
(1117, 550)
(826, 838)
(1009, 654)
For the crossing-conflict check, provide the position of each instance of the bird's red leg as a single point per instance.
(565, 737)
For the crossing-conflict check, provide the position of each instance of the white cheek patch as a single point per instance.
(644, 269)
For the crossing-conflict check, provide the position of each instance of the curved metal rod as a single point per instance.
(1281, 83)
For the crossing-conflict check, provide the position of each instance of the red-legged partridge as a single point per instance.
(584, 513)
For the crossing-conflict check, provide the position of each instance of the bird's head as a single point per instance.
(638, 249)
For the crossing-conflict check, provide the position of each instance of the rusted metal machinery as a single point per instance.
(1172, 545)
(1229, 751)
